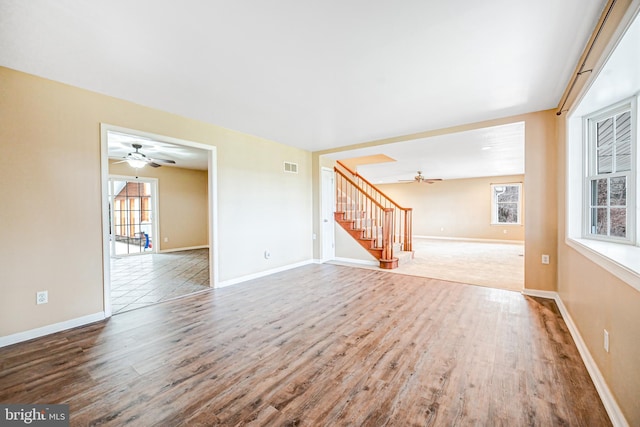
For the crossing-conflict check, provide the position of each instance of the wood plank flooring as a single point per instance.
(321, 345)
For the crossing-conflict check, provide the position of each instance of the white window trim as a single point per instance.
(620, 259)
(494, 211)
(589, 165)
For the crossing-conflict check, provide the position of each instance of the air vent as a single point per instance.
(290, 167)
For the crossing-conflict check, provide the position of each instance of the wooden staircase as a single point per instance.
(376, 222)
(371, 244)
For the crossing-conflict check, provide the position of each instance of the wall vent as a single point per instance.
(290, 167)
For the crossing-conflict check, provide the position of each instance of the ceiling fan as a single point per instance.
(421, 178)
(138, 160)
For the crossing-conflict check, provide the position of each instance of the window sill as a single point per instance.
(623, 261)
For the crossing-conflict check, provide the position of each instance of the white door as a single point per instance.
(328, 207)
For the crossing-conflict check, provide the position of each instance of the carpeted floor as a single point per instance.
(496, 265)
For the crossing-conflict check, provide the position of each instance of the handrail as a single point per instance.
(355, 173)
(402, 228)
(347, 168)
(371, 221)
(367, 195)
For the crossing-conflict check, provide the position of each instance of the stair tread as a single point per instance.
(359, 226)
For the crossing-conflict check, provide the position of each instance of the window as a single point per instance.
(602, 183)
(505, 203)
(610, 180)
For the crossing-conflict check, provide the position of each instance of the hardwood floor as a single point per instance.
(318, 345)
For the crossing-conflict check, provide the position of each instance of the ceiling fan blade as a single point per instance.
(171, 162)
(153, 164)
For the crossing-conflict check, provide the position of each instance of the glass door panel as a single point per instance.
(132, 214)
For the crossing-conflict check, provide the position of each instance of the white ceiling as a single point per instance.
(490, 151)
(314, 75)
(120, 144)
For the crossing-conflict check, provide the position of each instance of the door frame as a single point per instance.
(212, 203)
(154, 210)
(324, 242)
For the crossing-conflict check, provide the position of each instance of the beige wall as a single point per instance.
(348, 248)
(50, 221)
(541, 206)
(459, 208)
(182, 204)
(596, 299)
(539, 191)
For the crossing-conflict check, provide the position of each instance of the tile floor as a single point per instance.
(141, 280)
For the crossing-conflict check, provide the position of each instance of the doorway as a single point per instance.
(328, 207)
(131, 216)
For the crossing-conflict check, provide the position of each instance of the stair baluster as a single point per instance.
(365, 219)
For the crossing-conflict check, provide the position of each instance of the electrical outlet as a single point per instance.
(166, 239)
(42, 297)
(267, 254)
(545, 259)
(606, 341)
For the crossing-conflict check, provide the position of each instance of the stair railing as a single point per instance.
(402, 218)
(369, 215)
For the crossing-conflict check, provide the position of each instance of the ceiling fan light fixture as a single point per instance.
(136, 163)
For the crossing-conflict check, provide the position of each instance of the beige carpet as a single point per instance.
(496, 265)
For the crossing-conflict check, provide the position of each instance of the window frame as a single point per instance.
(494, 204)
(590, 164)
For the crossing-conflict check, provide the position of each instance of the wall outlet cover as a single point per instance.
(42, 297)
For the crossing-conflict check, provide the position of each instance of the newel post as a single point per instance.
(408, 229)
(388, 261)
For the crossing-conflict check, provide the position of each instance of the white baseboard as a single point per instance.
(50, 329)
(357, 261)
(190, 248)
(237, 280)
(611, 406)
(469, 239)
(542, 294)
